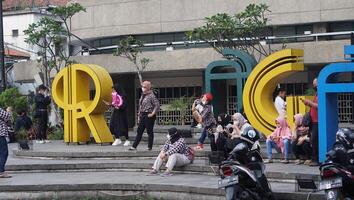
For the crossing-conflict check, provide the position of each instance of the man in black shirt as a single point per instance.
(42, 100)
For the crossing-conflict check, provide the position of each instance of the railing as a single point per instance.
(345, 108)
(268, 39)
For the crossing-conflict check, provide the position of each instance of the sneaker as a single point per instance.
(166, 174)
(268, 161)
(199, 147)
(117, 142)
(41, 142)
(132, 149)
(285, 161)
(4, 175)
(38, 141)
(307, 162)
(152, 173)
(126, 143)
(47, 141)
(299, 162)
(148, 149)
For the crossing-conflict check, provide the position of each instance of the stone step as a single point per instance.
(89, 185)
(273, 171)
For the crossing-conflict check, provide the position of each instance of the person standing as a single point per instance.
(314, 124)
(280, 103)
(203, 111)
(119, 121)
(5, 115)
(148, 107)
(42, 100)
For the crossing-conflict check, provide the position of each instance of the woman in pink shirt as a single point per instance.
(280, 140)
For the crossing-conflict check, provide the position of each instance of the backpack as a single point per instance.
(306, 121)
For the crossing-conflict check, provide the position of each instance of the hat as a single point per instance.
(172, 131)
(208, 96)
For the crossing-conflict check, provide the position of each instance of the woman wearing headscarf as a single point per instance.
(279, 140)
(235, 131)
(175, 153)
(301, 144)
(119, 121)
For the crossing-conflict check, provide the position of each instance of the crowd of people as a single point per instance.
(224, 132)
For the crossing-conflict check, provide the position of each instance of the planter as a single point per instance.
(25, 145)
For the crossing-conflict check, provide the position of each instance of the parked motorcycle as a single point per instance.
(242, 174)
(337, 172)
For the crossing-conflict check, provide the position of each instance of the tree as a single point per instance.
(131, 49)
(51, 34)
(243, 31)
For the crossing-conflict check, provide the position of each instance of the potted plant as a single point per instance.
(22, 139)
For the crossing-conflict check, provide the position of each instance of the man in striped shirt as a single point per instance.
(5, 115)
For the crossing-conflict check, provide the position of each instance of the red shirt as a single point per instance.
(314, 111)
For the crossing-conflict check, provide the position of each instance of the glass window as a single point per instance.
(162, 92)
(169, 93)
(183, 91)
(163, 38)
(105, 42)
(301, 29)
(176, 92)
(341, 26)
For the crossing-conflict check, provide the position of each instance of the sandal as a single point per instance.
(199, 147)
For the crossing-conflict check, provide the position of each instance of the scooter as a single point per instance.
(337, 177)
(242, 175)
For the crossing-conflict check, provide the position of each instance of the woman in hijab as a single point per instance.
(175, 153)
(301, 145)
(279, 140)
(119, 121)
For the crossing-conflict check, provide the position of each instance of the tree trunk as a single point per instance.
(140, 77)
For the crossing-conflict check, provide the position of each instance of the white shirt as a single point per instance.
(280, 105)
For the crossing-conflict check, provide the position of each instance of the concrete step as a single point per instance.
(91, 185)
(274, 171)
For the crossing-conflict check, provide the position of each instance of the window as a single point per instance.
(341, 26)
(15, 33)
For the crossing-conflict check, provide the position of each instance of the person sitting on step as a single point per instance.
(301, 144)
(279, 140)
(175, 153)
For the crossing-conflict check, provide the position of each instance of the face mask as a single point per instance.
(168, 137)
(204, 102)
(236, 123)
(143, 89)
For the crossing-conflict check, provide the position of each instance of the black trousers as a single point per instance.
(314, 141)
(302, 150)
(42, 125)
(147, 123)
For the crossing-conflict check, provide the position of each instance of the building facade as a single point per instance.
(320, 27)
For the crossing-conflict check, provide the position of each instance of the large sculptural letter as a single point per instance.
(82, 116)
(327, 101)
(259, 87)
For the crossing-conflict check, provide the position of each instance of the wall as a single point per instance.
(105, 18)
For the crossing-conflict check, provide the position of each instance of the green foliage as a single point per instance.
(21, 135)
(182, 105)
(310, 92)
(241, 31)
(131, 49)
(11, 97)
(56, 133)
(50, 34)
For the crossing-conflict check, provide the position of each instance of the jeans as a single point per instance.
(4, 152)
(314, 141)
(147, 123)
(202, 136)
(174, 160)
(271, 144)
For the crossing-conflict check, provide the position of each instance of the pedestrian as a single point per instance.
(301, 144)
(5, 115)
(119, 121)
(280, 140)
(280, 103)
(175, 153)
(148, 107)
(203, 112)
(314, 124)
(42, 100)
(23, 121)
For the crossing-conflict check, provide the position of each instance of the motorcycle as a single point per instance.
(337, 172)
(242, 175)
